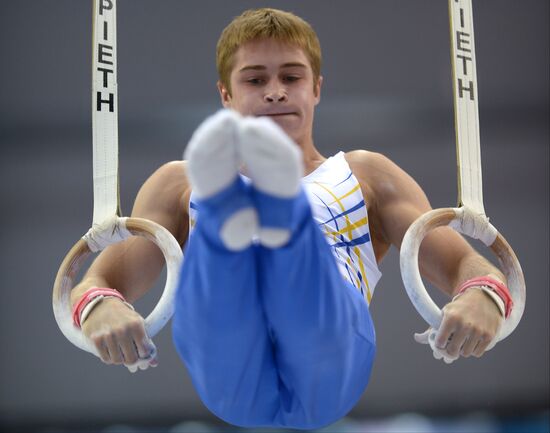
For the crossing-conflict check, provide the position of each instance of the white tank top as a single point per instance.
(339, 209)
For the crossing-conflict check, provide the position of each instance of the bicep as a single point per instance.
(162, 199)
(132, 266)
(442, 250)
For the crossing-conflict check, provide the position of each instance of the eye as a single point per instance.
(255, 81)
(291, 78)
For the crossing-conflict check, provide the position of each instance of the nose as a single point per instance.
(275, 95)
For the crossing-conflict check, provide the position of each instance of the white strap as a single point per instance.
(105, 112)
(111, 230)
(489, 292)
(93, 303)
(107, 227)
(470, 188)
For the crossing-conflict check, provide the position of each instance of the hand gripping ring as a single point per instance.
(477, 226)
(81, 251)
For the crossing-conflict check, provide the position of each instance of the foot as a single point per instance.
(274, 163)
(213, 171)
(212, 154)
(272, 159)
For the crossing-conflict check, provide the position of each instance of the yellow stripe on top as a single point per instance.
(353, 226)
(349, 230)
(338, 200)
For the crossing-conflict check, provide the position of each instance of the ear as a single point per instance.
(225, 95)
(317, 89)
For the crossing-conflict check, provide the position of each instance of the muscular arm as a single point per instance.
(445, 258)
(132, 267)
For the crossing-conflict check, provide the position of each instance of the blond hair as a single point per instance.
(266, 23)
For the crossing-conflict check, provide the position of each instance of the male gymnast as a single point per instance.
(282, 245)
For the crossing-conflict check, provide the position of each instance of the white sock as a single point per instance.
(272, 159)
(212, 154)
(274, 163)
(213, 165)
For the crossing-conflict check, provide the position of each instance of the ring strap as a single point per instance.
(105, 112)
(463, 58)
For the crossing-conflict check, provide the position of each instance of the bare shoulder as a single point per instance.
(164, 198)
(385, 179)
(393, 198)
(372, 165)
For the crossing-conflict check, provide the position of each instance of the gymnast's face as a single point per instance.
(274, 79)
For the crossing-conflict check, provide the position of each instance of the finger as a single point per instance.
(102, 350)
(115, 352)
(448, 360)
(146, 363)
(146, 348)
(437, 354)
(128, 349)
(456, 341)
(444, 334)
(143, 344)
(469, 346)
(422, 338)
(481, 346)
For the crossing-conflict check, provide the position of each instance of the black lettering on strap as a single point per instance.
(110, 101)
(105, 5)
(465, 60)
(462, 41)
(103, 52)
(462, 89)
(106, 72)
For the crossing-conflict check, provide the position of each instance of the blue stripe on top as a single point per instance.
(347, 211)
(362, 240)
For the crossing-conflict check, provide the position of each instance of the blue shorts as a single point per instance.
(270, 337)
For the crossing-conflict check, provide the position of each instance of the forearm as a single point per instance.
(87, 283)
(447, 261)
(131, 267)
(475, 265)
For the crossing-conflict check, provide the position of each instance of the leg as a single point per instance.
(219, 324)
(320, 325)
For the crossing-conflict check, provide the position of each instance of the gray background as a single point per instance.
(387, 88)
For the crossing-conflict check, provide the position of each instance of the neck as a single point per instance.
(312, 157)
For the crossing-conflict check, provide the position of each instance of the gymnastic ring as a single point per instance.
(70, 266)
(468, 222)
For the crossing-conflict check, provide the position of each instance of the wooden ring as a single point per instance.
(455, 217)
(74, 259)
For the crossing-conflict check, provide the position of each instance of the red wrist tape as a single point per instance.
(496, 286)
(88, 296)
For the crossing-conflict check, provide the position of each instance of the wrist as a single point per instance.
(90, 299)
(495, 289)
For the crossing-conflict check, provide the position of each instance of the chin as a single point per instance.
(287, 125)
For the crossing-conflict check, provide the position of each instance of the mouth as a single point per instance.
(277, 115)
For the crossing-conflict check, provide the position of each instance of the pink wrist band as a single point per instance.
(496, 286)
(88, 296)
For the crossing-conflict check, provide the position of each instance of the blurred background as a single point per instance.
(387, 88)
